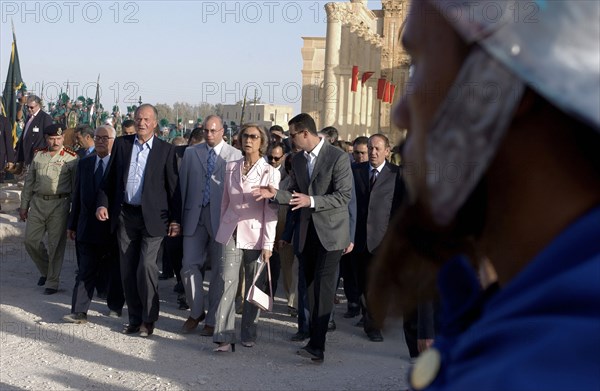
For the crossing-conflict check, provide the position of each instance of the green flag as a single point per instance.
(14, 83)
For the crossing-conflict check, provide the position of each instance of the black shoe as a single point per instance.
(178, 288)
(331, 326)
(316, 355)
(41, 281)
(299, 336)
(50, 291)
(352, 312)
(130, 329)
(375, 336)
(292, 312)
(361, 322)
(77, 318)
(183, 305)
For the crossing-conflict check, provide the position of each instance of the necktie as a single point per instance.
(374, 173)
(99, 174)
(210, 167)
(27, 125)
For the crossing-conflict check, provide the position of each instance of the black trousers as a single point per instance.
(320, 270)
(96, 260)
(362, 262)
(139, 267)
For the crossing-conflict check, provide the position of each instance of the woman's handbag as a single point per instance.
(258, 297)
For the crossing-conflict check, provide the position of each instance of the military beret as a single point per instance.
(54, 130)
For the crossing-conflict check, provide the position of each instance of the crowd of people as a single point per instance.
(135, 201)
(512, 246)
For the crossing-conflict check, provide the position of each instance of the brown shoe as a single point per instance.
(191, 324)
(207, 331)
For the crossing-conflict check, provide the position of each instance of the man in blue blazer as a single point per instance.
(96, 246)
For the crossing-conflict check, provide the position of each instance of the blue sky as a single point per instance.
(163, 51)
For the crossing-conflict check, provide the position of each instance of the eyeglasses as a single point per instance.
(247, 136)
(102, 138)
(293, 135)
(275, 158)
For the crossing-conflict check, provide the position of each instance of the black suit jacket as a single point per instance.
(159, 198)
(82, 218)
(375, 207)
(7, 153)
(33, 139)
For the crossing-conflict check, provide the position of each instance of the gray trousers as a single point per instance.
(228, 275)
(196, 249)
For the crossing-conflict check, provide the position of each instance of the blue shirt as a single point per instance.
(137, 167)
(539, 332)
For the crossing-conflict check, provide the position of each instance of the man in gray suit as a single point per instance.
(201, 180)
(321, 186)
(379, 190)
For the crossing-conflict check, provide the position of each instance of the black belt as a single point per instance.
(136, 207)
(53, 196)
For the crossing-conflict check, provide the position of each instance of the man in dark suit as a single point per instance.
(32, 137)
(378, 194)
(321, 187)
(137, 195)
(85, 139)
(96, 247)
(7, 153)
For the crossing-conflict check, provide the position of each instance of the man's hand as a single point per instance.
(23, 214)
(265, 255)
(174, 229)
(264, 192)
(9, 167)
(281, 244)
(102, 213)
(424, 344)
(299, 200)
(71, 234)
(348, 249)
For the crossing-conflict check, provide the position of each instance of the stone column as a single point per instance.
(332, 58)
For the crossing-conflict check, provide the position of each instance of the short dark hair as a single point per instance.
(196, 135)
(331, 133)
(85, 129)
(128, 123)
(304, 121)
(386, 141)
(276, 127)
(361, 140)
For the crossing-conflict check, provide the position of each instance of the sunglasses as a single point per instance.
(31, 107)
(247, 136)
(275, 158)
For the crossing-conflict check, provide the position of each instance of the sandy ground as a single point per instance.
(38, 351)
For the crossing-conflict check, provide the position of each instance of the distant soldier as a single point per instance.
(45, 203)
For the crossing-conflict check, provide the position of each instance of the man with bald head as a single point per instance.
(137, 196)
(201, 180)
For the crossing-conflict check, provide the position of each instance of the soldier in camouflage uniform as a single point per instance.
(45, 203)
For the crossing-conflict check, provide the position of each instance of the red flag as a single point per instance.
(386, 92)
(391, 93)
(381, 88)
(354, 78)
(366, 76)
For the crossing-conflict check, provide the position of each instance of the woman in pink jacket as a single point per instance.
(248, 232)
